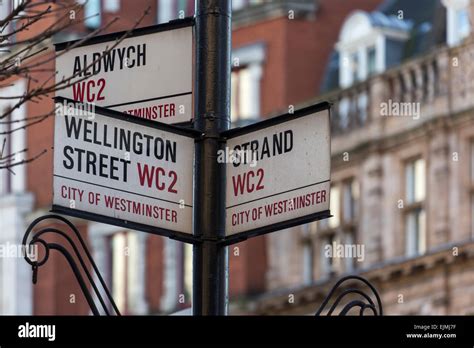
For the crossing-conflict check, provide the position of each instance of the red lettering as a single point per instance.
(78, 91)
(90, 85)
(246, 183)
(238, 183)
(87, 88)
(101, 84)
(159, 186)
(145, 174)
(174, 177)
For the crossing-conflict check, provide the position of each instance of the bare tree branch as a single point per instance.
(33, 54)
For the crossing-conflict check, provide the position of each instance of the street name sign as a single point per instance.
(148, 75)
(278, 174)
(118, 169)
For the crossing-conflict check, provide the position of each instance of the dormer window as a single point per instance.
(459, 26)
(368, 44)
(371, 61)
(354, 67)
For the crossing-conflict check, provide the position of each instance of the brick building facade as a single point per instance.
(401, 181)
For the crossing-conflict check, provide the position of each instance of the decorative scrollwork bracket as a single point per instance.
(37, 238)
(365, 303)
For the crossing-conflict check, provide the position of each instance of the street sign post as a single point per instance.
(119, 169)
(148, 75)
(212, 111)
(278, 173)
(115, 164)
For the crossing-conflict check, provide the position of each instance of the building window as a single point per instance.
(125, 256)
(415, 229)
(341, 228)
(309, 232)
(344, 113)
(187, 275)
(349, 239)
(185, 7)
(458, 24)
(354, 66)
(92, 14)
(335, 204)
(371, 61)
(350, 201)
(238, 4)
(245, 84)
(326, 261)
(111, 6)
(463, 25)
(172, 9)
(166, 10)
(350, 207)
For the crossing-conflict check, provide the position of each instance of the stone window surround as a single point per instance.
(452, 7)
(98, 235)
(252, 57)
(339, 232)
(411, 207)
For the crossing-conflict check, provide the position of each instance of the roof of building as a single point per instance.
(423, 20)
(379, 19)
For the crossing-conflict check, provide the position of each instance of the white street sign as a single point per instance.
(148, 75)
(281, 172)
(121, 170)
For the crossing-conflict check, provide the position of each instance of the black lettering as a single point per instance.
(105, 137)
(90, 163)
(265, 148)
(102, 165)
(253, 149)
(130, 62)
(79, 158)
(87, 131)
(125, 168)
(113, 168)
(97, 64)
(125, 140)
(73, 126)
(137, 145)
(121, 54)
(141, 55)
(159, 148)
(288, 140)
(171, 151)
(109, 60)
(77, 66)
(277, 144)
(71, 162)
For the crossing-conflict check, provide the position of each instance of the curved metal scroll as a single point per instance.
(35, 264)
(369, 304)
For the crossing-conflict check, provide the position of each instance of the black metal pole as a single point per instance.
(212, 116)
